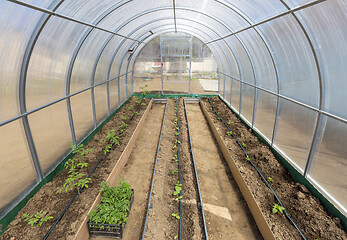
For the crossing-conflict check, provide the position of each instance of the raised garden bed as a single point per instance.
(53, 204)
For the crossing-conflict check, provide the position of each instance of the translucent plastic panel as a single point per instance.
(16, 172)
(326, 22)
(114, 94)
(235, 94)
(217, 10)
(263, 66)
(176, 88)
(122, 89)
(48, 67)
(82, 113)
(258, 10)
(100, 93)
(248, 93)
(41, 3)
(227, 89)
(221, 84)
(175, 64)
(152, 49)
(82, 71)
(129, 84)
(246, 68)
(296, 66)
(121, 58)
(51, 133)
(14, 37)
(102, 69)
(296, 3)
(265, 113)
(176, 45)
(329, 168)
(88, 10)
(295, 130)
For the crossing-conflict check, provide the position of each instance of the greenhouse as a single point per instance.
(173, 119)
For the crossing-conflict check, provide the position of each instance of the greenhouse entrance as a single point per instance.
(176, 63)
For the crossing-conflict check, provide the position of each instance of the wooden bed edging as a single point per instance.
(258, 216)
(82, 233)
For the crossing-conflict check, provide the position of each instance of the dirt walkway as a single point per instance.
(227, 215)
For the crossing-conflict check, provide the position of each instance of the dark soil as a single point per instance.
(53, 204)
(305, 209)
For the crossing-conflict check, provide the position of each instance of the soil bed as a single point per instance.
(306, 210)
(53, 204)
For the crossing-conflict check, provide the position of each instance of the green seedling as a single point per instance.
(269, 179)
(175, 215)
(244, 145)
(174, 147)
(175, 237)
(136, 113)
(230, 133)
(218, 113)
(144, 90)
(178, 198)
(218, 118)
(36, 218)
(143, 104)
(176, 133)
(123, 117)
(178, 188)
(207, 100)
(178, 142)
(230, 122)
(277, 208)
(111, 139)
(138, 100)
(174, 171)
(130, 107)
(123, 125)
(114, 205)
(247, 158)
(177, 128)
(211, 109)
(74, 165)
(213, 103)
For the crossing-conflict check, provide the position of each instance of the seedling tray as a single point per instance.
(109, 230)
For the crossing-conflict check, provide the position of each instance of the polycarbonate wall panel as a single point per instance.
(295, 130)
(265, 113)
(82, 113)
(101, 108)
(114, 94)
(261, 59)
(326, 23)
(329, 168)
(298, 76)
(101, 74)
(122, 89)
(17, 172)
(247, 102)
(129, 84)
(40, 3)
(227, 89)
(14, 37)
(51, 133)
(235, 94)
(82, 71)
(48, 67)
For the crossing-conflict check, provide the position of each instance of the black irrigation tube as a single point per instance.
(179, 171)
(153, 176)
(261, 175)
(79, 190)
(200, 206)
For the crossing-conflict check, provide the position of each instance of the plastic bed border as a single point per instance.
(10, 216)
(295, 174)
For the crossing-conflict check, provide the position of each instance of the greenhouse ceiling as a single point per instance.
(281, 65)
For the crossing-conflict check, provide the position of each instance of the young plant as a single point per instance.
(174, 171)
(178, 188)
(211, 109)
(74, 165)
(176, 215)
(230, 122)
(123, 125)
(176, 236)
(36, 218)
(138, 100)
(123, 117)
(112, 139)
(247, 158)
(277, 208)
(144, 90)
(178, 198)
(175, 158)
(130, 107)
(177, 142)
(230, 133)
(244, 145)
(269, 179)
(174, 147)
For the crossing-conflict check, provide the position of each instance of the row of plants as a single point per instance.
(76, 166)
(177, 196)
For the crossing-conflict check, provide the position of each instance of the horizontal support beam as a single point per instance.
(58, 100)
(298, 8)
(63, 16)
(289, 99)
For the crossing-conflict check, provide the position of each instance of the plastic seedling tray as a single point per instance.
(109, 230)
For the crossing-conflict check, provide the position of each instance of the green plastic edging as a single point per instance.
(296, 175)
(10, 216)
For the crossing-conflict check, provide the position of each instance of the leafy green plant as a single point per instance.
(144, 90)
(230, 122)
(175, 158)
(269, 179)
(123, 125)
(277, 208)
(138, 100)
(130, 107)
(176, 215)
(36, 219)
(114, 205)
(177, 142)
(247, 158)
(174, 147)
(74, 165)
(123, 117)
(176, 236)
(174, 171)
(230, 133)
(178, 188)
(244, 145)
(178, 198)
(211, 109)
(218, 118)
(112, 139)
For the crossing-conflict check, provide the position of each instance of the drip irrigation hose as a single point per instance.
(153, 176)
(80, 189)
(261, 175)
(179, 173)
(201, 208)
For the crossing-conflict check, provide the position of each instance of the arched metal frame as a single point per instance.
(319, 126)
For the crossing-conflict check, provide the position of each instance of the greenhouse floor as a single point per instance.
(172, 140)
